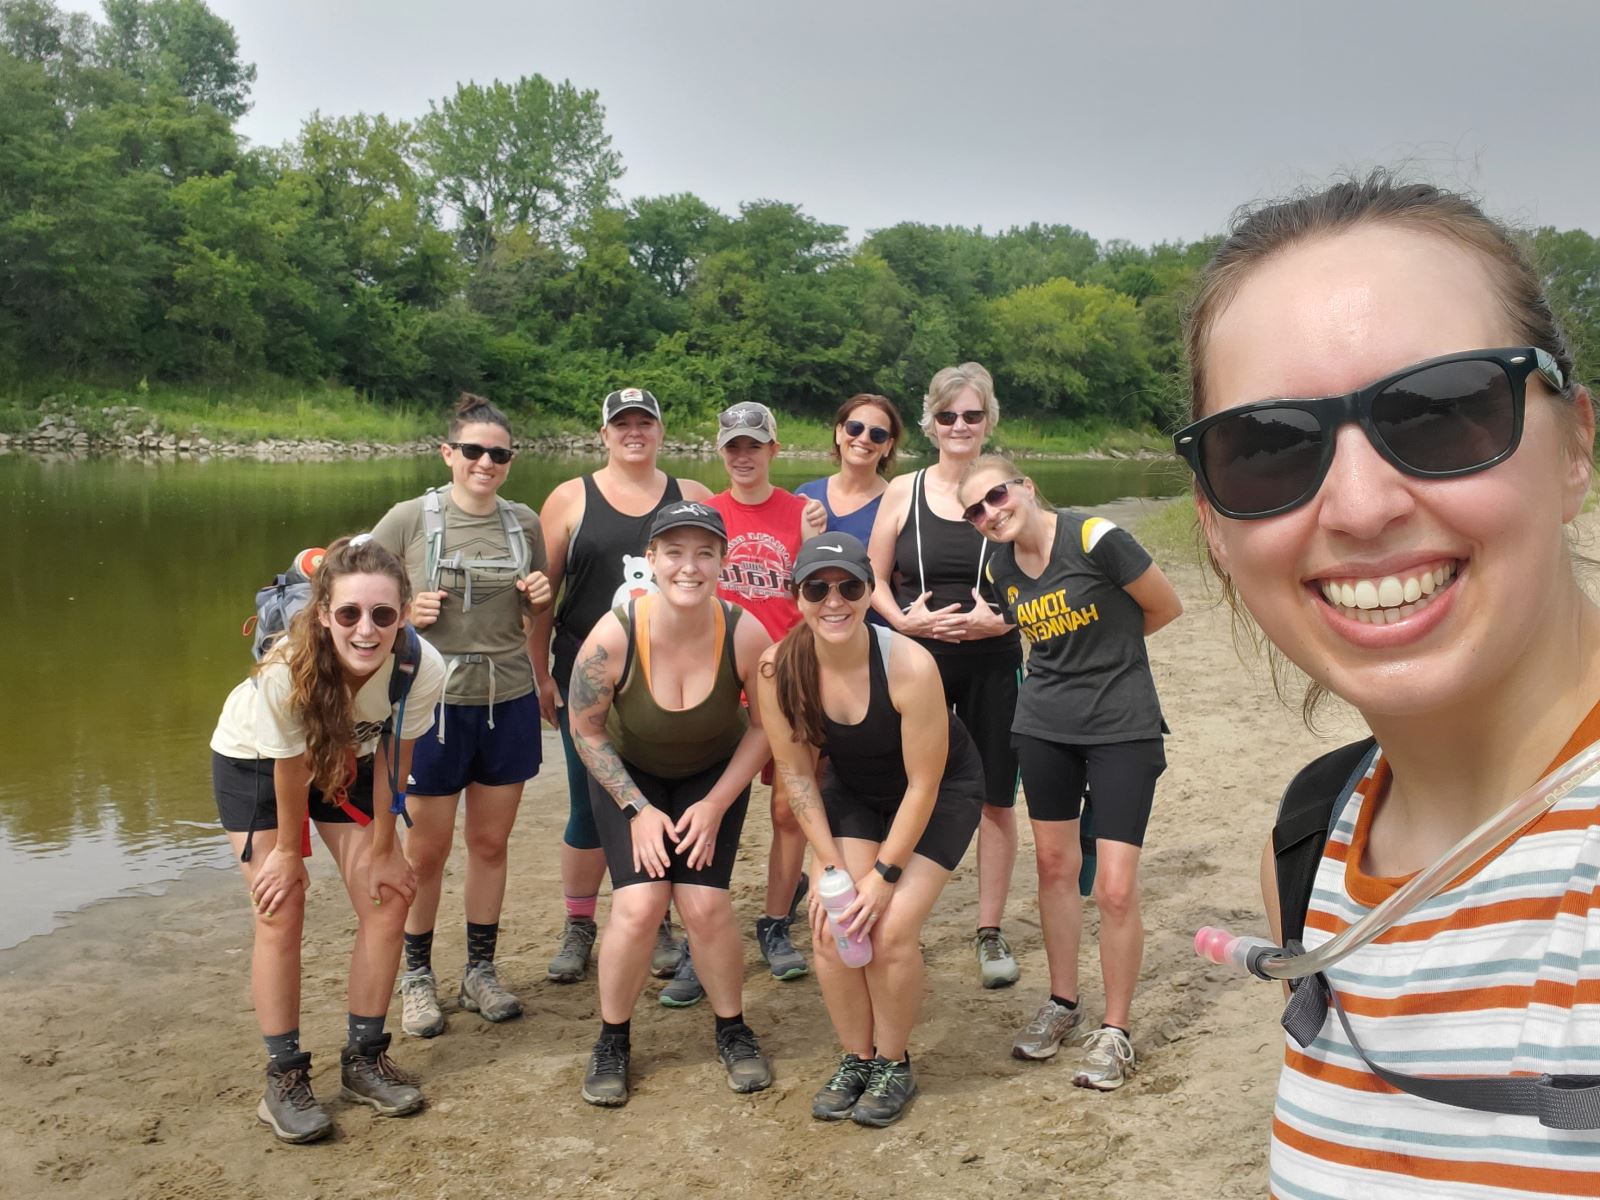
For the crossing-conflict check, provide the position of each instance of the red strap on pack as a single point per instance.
(340, 799)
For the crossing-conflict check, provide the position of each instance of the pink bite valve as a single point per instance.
(1213, 944)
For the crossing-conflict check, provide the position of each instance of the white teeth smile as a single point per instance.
(1389, 599)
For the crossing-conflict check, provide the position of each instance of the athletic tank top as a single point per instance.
(675, 743)
(605, 569)
(867, 759)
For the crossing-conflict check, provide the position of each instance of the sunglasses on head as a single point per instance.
(472, 452)
(993, 498)
(970, 416)
(876, 433)
(1438, 419)
(815, 591)
(742, 418)
(383, 615)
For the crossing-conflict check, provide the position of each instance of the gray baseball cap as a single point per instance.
(749, 420)
(621, 401)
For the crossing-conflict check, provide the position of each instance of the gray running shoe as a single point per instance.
(685, 989)
(288, 1105)
(772, 935)
(839, 1095)
(606, 1082)
(419, 1004)
(748, 1069)
(483, 993)
(577, 944)
(888, 1092)
(996, 967)
(668, 951)
(1107, 1060)
(369, 1076)
(1041, 1037)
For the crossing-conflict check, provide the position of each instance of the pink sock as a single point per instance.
(581, 906)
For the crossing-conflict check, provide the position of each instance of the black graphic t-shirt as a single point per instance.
(1088, 675)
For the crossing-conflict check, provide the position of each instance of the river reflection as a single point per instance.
(125, 587)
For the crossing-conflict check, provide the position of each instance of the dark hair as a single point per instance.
(476, 410)
(794, 670)
(897, 427)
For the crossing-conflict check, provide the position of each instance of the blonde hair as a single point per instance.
(949, 383)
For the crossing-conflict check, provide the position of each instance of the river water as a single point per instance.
(125, 585)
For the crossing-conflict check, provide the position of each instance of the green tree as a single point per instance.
(177, 43)
(1570, 264)
(668, 235)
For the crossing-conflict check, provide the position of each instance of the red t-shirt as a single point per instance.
(763, 540)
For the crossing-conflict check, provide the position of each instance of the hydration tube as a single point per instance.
(1263, 958)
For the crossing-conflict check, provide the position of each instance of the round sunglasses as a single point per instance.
(472, 452)
(993, 498)
(969, 416)
(1448, 416)
(877, 434)
(383, 615)
(815, 591)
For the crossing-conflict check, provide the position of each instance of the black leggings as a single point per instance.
(1121, 775)
(982, 688)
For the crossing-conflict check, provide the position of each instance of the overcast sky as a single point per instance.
(1147, 121)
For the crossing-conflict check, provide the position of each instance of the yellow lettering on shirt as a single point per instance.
(1050, 616)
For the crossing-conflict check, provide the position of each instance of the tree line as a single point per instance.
(484, 246)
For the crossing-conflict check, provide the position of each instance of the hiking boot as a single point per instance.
(668, 951)
(419, 1004)
(996, 967)
(748, 1069)
(888, 1092)
(483, 993)
(772, 935)
(606, 1082)
(1041, 1037)
(368, 1076)
(839, 1095)
(572, 956)
(1107, 1060)
(288, 1105)
(685, 988)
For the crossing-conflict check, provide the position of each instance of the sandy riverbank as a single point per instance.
(134, 1067)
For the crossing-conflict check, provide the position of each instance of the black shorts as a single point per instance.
(246, 801)
(673, 797)
(1120, 775)
(955, 816)
(982, 689)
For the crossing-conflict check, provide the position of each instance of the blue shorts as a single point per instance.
(474, 753)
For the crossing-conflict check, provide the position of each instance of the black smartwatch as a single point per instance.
(635, 808)
(890, 874)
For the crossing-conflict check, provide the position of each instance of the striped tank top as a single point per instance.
(1497, 975)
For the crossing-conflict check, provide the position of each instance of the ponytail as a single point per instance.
(794, 670)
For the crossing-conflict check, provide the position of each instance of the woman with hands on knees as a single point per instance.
(655, 712)
(895, 807)
(310, 738)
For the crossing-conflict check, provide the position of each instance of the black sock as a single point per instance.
(622, 1029)
(480, 942)
(729, 1022)
(419, 951)
(988, 929)
(364, 1029)
(1125, 1033)
(282, 1045)
(1063, 1003)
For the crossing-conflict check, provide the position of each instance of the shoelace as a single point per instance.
(886, 1077)
(848, 1074)
(993, 948)
(1047, 1016)
(577, 938)
(1109, 1045)
(739, 1044)
(296, 1088)
(777, 937)
(610, 1057)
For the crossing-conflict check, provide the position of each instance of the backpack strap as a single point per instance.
(407, 658)
(516, 536)
(1310, 806)
(433, 532)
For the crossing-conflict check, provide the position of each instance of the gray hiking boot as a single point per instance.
(1041, 1037)
(996, 967)
(748, 1069)
(288, 1105)
(1107, 1060)
(419, 1004)
(685, 988)
(772, 935)
(839, 1095)
(572, 956)
(668, 951)
(369, 1076)
(889, 1091)
(483, 993)
(606, 1081)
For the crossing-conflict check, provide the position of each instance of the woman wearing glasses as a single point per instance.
(895, 808)
(1085, 595)
(931, 586)
(476, 563)
(866, 433)
(309, 739)
(1397, 530)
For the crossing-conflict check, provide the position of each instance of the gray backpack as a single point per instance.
(516, 560)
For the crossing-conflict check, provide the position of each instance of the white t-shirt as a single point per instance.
(257, 721)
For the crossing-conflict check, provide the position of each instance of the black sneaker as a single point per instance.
(889, 1091)
(606, 1082)
(288, 1105)
(748, 1069)
(783, 960)
(685, 989)
(369, 1076)
(839, 1095)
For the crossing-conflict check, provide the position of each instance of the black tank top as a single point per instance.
(867, 759)
(605, 569)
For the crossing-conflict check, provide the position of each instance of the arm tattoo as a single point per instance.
(591, 691)
(803, 795)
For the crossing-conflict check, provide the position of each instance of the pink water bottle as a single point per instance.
(837, 892)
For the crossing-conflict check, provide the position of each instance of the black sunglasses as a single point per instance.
(993, 498)
(472, 452)
(972, 416)
(877, 434)
(815, 591)
(1448, 416)
(383, 615)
